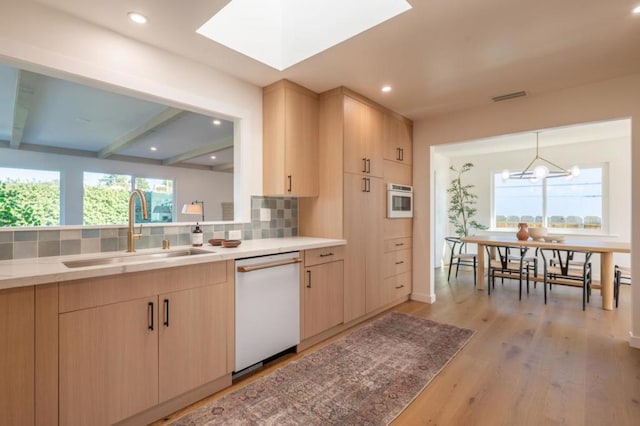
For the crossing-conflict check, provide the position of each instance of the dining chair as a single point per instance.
(558, 270)
(460, 258)
(531, 264)
(504, 265)
(621, 275)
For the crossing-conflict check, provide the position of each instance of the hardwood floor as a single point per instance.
(527, 364)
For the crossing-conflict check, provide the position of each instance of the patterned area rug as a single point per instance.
(367, 377)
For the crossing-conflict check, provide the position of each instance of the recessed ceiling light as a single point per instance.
(216, 122)
(213, 157)
(386, 89)
(153, 148)
(637, 10)
(138, 18)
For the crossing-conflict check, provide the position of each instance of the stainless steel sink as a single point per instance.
(132, 258)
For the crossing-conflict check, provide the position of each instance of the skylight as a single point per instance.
(281, 33)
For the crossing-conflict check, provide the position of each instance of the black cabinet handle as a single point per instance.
(289, 178)
(364, 165)
(326, 254)
(399, 286)
(166, 312)
(400, 262)
(399, 244)
(308, 279)
(150, 315)
(364, 181)
(398, 154)
(368, 165)
(368, 185)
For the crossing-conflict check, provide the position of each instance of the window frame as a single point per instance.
(604, 229)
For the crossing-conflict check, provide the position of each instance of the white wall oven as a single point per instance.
(399, 201)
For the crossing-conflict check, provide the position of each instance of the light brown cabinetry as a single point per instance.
(290, 140)
(362, 138)
(17, 353)
(192, 341)
(108, 362)
(397, 269)
(397, 138)
(352, 200)
(128, 343)
(323, 290)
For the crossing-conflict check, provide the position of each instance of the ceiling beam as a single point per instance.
(125, 141)
(27, 84)
(203, 150)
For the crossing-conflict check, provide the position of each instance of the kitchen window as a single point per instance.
(29, 197)
(575, 204)
(106, 199)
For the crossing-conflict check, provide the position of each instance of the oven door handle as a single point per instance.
(269, 265)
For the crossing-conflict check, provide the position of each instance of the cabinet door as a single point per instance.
(290, 140)
(355, 144)
(362, 138)
(355, 232)
(108, 362)
(301, 144)
(397, 139)
(373, 209)
(17, 356)
(193, 345)
(323, 297)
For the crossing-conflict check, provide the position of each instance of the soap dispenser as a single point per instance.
(197, 236)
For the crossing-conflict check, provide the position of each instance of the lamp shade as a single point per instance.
(192, 209)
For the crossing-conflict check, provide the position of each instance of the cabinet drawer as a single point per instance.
(397, 262)
(323, 255)
(398, 228)
(396, 287)
(396, 244)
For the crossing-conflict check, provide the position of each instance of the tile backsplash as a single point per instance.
(17, 244)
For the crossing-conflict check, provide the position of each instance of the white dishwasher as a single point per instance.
(267, 307)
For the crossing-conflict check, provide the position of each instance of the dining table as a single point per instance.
(602, 247)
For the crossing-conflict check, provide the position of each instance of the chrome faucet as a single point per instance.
(131, 235)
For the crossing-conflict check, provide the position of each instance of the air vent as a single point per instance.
(509, 96)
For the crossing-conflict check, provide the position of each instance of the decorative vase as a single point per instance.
(522, 234)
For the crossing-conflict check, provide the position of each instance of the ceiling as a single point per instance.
(440, 56)
(41, 113)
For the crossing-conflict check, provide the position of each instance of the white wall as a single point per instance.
(40, 39)
(190, 184)
(606, 100)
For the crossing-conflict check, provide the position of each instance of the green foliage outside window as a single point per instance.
(29, 203)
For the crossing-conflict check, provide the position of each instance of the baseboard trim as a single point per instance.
(423, 297)
(634, 341)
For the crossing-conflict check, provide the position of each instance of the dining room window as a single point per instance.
(573, 204)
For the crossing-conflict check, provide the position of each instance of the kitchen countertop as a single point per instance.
(43, 270)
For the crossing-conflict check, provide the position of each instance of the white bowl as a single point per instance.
(537, 233)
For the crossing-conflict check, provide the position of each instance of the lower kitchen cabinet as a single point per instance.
(193, 335)
(140, 340)
(17, 356)
(323, 297)
(108, 362)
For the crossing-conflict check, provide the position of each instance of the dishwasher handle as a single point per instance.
(268, 265)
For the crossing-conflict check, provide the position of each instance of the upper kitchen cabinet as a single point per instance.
(363, 127)
(290, 140)
(397, 138)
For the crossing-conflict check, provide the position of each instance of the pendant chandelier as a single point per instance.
(540, 168)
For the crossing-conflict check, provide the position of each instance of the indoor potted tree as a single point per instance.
(462, 203)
